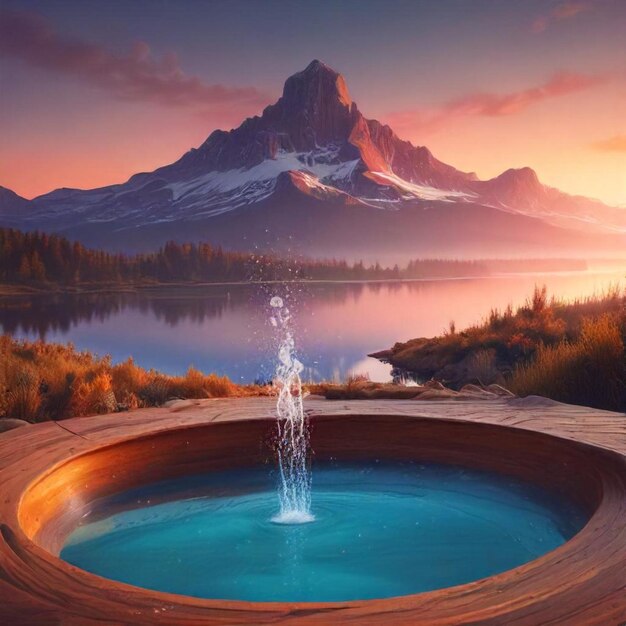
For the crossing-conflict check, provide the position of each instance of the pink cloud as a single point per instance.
(613, 144)
(539, 24)
(563, 11)
(494, 105)
(137, 76)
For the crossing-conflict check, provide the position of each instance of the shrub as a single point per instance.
(482, 367)
(95, 396)
(192, 385)
(514, 337)
(54, 381)
(128, 379)
(353, 380)
(589, 370)
(195, 384)
(22, 396)
(220, 386)
(58, 391)
(356, 381)
(156, 391)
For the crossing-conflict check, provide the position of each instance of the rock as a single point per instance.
(8, 423)
(370, 391)
(179, 405)
(475, 390)
(431, 390)
(438, 394)
(499, 390)
(532, 402)
(433, 384)
(395, 393)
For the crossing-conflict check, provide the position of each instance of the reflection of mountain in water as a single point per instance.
(44, 313)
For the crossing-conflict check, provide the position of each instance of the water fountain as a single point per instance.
(403, 505)
(293, 436)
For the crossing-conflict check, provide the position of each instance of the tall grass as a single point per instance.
(571, 351)
(41, 381)
(590, 370)
(513, 335)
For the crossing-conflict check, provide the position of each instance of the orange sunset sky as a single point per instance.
(93, 92)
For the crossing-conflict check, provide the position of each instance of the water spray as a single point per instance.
(294, 491)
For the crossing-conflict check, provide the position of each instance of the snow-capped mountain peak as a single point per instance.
(312, 146)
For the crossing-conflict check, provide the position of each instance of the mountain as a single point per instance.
(311, 174)
(11, 203)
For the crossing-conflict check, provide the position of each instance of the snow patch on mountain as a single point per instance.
(256, 182)
(421, 192)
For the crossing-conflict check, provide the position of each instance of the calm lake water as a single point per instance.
(226, 329)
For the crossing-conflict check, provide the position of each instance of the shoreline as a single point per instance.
(8, 290)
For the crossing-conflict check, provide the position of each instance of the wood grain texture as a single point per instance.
(50, 472)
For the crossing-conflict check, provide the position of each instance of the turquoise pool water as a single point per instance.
(380, 530)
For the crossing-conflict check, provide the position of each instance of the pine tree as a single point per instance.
(25, 272)
(37, 268)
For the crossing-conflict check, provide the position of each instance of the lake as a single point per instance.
(225, 328)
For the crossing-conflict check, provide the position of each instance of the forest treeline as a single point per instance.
(35, 258)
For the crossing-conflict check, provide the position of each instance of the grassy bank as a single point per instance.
(567, 351)
(588, 370)
(41, 381)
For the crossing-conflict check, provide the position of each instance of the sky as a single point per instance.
(94, 91)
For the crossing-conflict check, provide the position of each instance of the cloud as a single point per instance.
(494, 105)
(613, 144)
(539, 24)
(136, 76)
(563, 11)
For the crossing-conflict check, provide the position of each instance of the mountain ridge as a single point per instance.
(312, 147)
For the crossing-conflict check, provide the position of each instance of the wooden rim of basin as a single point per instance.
(49, 472)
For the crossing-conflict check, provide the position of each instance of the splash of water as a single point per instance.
(294, 491)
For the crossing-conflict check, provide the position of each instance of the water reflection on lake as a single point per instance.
(225, 328)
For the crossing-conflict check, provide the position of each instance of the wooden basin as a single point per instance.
(47, 489)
